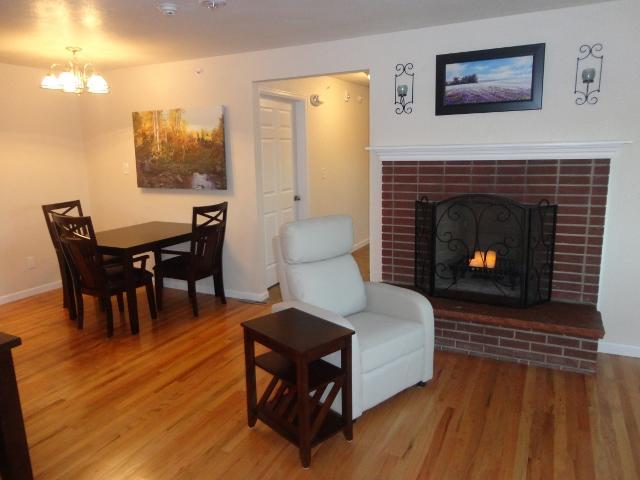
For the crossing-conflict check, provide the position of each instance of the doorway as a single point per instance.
(312, 137)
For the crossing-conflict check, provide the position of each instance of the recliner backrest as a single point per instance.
(315, 257)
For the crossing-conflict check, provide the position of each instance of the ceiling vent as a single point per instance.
(213, 3)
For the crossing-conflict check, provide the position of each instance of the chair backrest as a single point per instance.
(208, 227)
(78, 241)
(62, 208)
(316, 266)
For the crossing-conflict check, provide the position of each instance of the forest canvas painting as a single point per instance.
(489, 81)
(180, 148)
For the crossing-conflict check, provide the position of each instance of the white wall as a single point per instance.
(41, 161)
(337, 135)
(228, 80)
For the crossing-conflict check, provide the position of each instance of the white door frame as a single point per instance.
(302, 176)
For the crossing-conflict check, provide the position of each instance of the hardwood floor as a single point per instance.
(169, 404)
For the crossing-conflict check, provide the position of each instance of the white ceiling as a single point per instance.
(119, 33)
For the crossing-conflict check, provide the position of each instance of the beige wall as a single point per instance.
(42, 161)
(337, 135)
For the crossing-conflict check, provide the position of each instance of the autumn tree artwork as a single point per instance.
(180, 148)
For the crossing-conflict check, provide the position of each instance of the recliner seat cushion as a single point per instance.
(316, 239)
(335, 285)
(384, 339)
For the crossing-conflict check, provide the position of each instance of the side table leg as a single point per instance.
(250, 374)
(347, 404)
(304, 428)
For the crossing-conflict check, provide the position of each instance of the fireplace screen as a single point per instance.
(485, 248)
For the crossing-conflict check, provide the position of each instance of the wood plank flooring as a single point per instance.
(169, 404)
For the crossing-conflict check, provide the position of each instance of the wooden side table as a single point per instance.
(292, 403)
(15, 463)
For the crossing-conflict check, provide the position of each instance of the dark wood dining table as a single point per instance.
(126, 242)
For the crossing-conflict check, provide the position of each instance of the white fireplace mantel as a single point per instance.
(500, 151)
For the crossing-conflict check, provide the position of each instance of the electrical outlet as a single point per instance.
(31, 263)
(323, 173)
(125, 168)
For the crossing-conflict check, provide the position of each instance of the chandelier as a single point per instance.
(74, 77)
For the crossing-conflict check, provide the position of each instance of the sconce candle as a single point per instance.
(589, 70)
(404, 88)
(588, 75)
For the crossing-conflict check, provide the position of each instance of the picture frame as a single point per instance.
(492, 80)
(180, 148)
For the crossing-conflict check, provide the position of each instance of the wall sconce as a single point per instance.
(589, 73)
(404, 88)
(314, 100)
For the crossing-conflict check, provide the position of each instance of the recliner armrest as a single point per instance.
(393, 301)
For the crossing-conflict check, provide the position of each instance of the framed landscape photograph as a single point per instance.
(495, 80)
(180, 148)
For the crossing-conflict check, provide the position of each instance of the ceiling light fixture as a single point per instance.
(74, 77)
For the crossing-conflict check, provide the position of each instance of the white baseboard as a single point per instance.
(208, 289)
(29, 292)
(619, 349)
(360, 244)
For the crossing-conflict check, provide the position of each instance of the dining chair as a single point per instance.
(203, 259)
(74, 208)
(89, 272)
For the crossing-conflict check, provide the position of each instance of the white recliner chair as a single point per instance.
(393, 345)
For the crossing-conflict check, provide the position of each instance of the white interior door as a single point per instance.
(277, 153)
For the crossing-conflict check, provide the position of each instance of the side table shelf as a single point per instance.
(278, 406)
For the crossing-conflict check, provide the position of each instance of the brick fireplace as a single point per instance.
(578, 187)
(562, 334)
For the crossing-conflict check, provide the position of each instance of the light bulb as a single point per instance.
(97, 84)
(50, 82)
(70, 83)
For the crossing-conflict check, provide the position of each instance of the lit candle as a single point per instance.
(477, 260)
(490, 259)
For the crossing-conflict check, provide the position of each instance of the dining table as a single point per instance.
(127, 242)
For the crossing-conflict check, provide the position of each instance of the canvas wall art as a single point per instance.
(498, 79)
(180, 148)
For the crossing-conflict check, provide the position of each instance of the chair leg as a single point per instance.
(64, 277)
(73, 304)
(120, 298)
(151, 299)
(109, 310)
(159, 289)
(194, 298)
(79, 309)
(218, 285)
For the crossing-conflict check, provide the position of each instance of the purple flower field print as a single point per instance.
(489, 81)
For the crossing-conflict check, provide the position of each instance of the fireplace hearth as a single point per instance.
(485, 248)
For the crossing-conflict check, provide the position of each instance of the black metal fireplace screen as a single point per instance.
(485, 248)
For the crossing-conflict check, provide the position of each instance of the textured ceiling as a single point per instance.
(119, 33)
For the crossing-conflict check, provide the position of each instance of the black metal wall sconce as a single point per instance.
(589, 73)
(404, 88)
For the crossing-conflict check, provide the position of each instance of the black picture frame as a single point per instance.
(537, 75)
